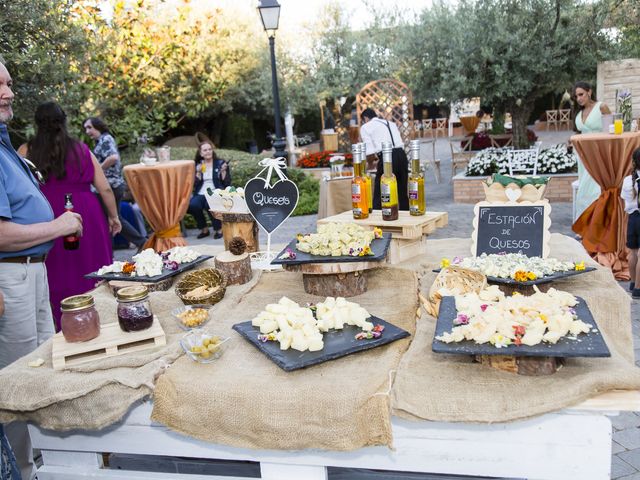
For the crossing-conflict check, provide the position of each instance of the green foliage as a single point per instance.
(237, 131)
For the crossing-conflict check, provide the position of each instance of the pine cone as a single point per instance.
(237, 245)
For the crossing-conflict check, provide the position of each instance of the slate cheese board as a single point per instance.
(537, 281)
(379, 247)
(337, 343)
(166, 273)
(590, 344)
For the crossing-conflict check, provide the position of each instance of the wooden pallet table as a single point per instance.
(408, 233)
(112, 341)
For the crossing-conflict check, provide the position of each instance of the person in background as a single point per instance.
(106, 151)
(588, 120)
(629, 193)
(211, 172)
(27, 231)
(68, 166)
(373, 132)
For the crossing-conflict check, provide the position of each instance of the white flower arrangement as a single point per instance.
(495, 160)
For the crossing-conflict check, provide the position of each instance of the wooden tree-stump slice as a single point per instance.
(235, 268)
(347, 284)
(530, 366)
(239, 225)
(326, 268)
(509, 288)
(160, 286)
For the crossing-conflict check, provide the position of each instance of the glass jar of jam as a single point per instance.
(134, 309)
(80, 320)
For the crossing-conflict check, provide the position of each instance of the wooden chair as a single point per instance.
(497, 140)
(417, 129)
(461, 153)
(433, 161)
(564, 118)
(441, 127)
(552, 119)
(427, 126)
(523, 161)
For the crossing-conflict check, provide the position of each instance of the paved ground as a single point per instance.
(626, 437)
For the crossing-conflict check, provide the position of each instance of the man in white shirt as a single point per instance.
(373, 132)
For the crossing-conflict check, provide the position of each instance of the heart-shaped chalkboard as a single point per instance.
(270, 205)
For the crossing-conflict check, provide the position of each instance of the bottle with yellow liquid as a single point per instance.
(388, 185)
(359, 205)
(365, 175)
(417, 204)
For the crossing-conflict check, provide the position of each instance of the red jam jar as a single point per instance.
(134, 309)
(80, 320)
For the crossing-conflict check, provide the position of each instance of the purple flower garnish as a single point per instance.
(457, 260)
(461, 319)
(483, 307)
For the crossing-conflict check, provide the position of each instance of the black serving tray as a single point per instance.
(337, 343)
(379, 247)
(537, 281)
(590, 344)
(164, 275)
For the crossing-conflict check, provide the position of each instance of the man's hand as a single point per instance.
(69, 223)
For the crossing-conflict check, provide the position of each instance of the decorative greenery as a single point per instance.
(495, 160)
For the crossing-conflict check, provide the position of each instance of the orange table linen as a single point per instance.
(163, 192)
(603, 225)
(470, 124)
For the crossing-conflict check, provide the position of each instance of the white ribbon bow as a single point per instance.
(272, 164)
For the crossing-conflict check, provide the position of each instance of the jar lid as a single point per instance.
(131, 294)
(77, 302)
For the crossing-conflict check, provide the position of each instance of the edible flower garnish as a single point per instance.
(544, 318)
(288, 254)
(522, 276)
(377, 231)
(444, 263)
(498, 340)
(461, 319)
(579, 266)
(376, 332)
(269, 337)
(457, 260)
(531, 276)
(518, 331)
(365, 251)
(129, 267)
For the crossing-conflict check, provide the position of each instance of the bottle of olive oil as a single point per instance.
(359, 204)
(388, 185)
(366, 176)
(416, 182)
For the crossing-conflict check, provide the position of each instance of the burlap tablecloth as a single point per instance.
(97, 394)
(451, 388)
(252, 403)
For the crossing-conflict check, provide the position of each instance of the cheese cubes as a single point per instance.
(337, 239)
(296, 327)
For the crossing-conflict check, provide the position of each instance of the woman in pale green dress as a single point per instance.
(588, 120)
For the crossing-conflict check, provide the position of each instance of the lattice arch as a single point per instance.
(392, 100)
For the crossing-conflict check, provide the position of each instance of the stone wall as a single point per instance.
(469, 189)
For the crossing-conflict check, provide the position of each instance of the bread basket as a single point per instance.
(456, 280)
(205, 277)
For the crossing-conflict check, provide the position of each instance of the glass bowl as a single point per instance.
(188, 320)
(197, 338)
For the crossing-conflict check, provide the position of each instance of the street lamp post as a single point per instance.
(270, 15)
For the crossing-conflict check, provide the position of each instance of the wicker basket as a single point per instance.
(209, 277)
(456, 279)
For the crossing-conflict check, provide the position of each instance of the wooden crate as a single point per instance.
(406, 227)
(112, 341)
(401, 250)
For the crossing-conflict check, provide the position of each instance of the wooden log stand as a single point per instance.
(235, 268)
(530, 366)
(239, 225)
(346, 279)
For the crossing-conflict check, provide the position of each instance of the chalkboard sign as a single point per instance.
(511, 228)
(271, 204)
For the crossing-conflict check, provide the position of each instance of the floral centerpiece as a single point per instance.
(495, 160)
(623, 106)
(322, 159)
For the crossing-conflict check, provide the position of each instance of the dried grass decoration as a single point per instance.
(205, 286)
(453, 281)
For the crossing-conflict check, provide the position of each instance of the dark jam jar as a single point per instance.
(134, 310)
(79, 321)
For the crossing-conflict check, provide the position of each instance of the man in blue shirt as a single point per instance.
(27, 231)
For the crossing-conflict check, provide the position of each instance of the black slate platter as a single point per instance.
(165, 273)
(590, 344)
(538, 281)
(379, 247)
(337, 343)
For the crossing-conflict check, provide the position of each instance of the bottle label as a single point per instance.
(386, 212)
(385, 193)
(413, 190)
(357, 212)
(356, 193)
(413, 208)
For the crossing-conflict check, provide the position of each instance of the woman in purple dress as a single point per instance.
(68, 166)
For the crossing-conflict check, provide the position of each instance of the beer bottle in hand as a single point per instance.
(70, 242)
